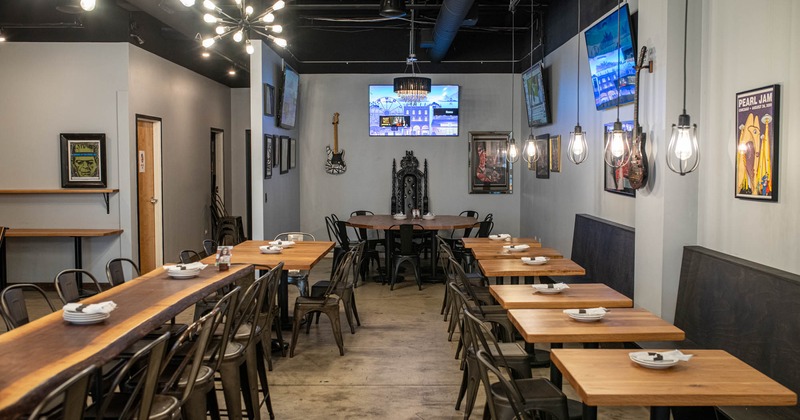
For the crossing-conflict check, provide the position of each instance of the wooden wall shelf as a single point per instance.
(104, 191)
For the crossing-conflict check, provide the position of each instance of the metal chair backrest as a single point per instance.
(72, 392)
(295, 236)
(2, 234)
(14, 307)
(362, 232)
(115, 270)
(189, 256)
(358, 256)
(271, 297)
(193, 344)
(331, 228)
(466, 286)
(487, 364)
(468, 213)
(343, 270)
(341, 234)
(484, 228)
(249, 310)
(209, 247)
(67, 284)
(406, 232)
(226, 306)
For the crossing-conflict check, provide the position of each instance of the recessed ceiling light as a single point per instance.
(2, 36)
(232, 72)
(206, 54)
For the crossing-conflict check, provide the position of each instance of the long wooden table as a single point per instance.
(487, 253)
(76, 234)
(579, 296)
(501, 267)
(39, 356)
(304, 255)
(710, 378)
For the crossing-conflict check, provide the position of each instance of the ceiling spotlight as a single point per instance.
(2, 36)
(232, 71)
(392, 8)
(206, 54)
(88, 5)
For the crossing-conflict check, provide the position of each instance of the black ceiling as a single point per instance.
(324, 36)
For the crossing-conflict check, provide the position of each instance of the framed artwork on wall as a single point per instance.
(489, 171)
(615, 180)
(269, 155)
(293, 154)
(269, 100)
(555, 153)
(757, 122)
(542, 165)
(285, 154)
(83, 160)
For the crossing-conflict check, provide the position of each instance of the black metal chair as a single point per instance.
(189, 256)
(297, 277)
(72, 395)
(14, 307)
(209, 247)
(66, 283)
(345, 290)
(115, 270)
(370, 249)
(406, 251)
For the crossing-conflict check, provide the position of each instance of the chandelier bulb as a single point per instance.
(2, 36)
(248, 10)
(513, 153)
(248, 46)
(208, 4)
(209, 18)
(221, 29)
(530, 152)
(577, 149)
(238, 2)
(280, 4)
(269, 18)
(277, 29)
(188, 3)
(280, 42)
(618, 149)
(208, 42)
(88, 5)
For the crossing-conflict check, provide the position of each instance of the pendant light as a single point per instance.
(578, 149)
(530, 152)
(512, 154)
(618, 150)
(683, 153)
(412, 89)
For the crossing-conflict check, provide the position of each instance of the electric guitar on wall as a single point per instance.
(637, 175)
(335, 164)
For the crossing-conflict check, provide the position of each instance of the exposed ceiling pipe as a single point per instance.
(451, 16)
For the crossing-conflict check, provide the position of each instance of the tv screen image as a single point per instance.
(287, 114)
(436, 116)
(604, 57)
(535, 91)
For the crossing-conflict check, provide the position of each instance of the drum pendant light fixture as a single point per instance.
(412, 89)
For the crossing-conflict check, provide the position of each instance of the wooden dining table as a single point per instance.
(580, 296)
(710, 378)
(619, 325)
(303, 255)
(504, 267)
(44, 353)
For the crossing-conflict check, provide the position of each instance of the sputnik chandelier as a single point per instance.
(241, 27)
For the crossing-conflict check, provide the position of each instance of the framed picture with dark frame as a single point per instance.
(269, 155)
(757, 125)
(489, 171)
(287, 111)
(555, 153)
(293, 153)
(83, 160)
(285, 145)
(269, 100)
(542, 164)
(615, 180)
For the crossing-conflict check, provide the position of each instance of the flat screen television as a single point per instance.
(436, 116)
(611, 84)
(534, 89)
(287, 111)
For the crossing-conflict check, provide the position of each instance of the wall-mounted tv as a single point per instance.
(612, 84)
(535, 92)
(436, 116)
(287, 111)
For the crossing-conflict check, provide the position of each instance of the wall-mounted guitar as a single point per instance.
(637, 175)
(335, 164)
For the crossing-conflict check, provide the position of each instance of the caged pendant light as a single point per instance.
(578, 150)
(683, 153)
(618, 149)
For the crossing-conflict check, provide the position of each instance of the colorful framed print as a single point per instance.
(555, 153)
(757, 118)
(285, 154)
(542, 164)
(615, 180)
(489, 171)
(83, 160)
(269, 155)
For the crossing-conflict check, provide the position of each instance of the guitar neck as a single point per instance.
(336, 137)
(636, 128)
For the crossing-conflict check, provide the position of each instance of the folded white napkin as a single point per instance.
(197, 265)
(658, 356)
(94, 308)
(519, 246)
(500, 236)
(270, 248)
(537, 259)
(282, 243)
(557, 286)
(399, 215)
(589, 311)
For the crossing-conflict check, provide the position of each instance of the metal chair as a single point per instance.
(66, 283)
(189, 256)
(345, 290)
(371, 249)
(14, 307)
(73, 394)
(209, 247)
(407, 251)
(115, 270)
(297, 277)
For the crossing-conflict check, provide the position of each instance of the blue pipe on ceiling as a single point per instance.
(451, 15)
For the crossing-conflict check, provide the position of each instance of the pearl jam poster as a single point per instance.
(757, 126)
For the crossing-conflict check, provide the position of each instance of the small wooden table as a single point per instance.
(620, 325)
(578, 296)
(500, 267)
(76, 234)
(39, 356)
(303, 255)
(492, 243)
(487, 253)
(710, 378)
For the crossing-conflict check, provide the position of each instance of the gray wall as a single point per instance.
(484, 106)
(240, 121)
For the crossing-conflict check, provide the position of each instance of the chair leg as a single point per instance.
(462, 389)
(213, 404)
(355, 309)
(248, 382)
(472, 385)
(262, 376)
(336, 325)
(394, 275)
(417, 275)
(231, 389)
(295, 332)
(348, 313)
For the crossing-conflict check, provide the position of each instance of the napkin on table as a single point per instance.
(501, 236)
(656, 356)
(589, 311)
(93, 308)
(520, 246)
(557, 286)
(197, 265)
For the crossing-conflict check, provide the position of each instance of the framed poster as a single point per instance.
(615, 180)
(287, 112)
(489, 171)
(269, 100)
(285, 154)
(269, 155)
(83, 160)
(555, 153)
(534, 89)
(757, 118)
(293, 153)
(542, 164)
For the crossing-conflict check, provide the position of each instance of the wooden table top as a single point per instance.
(57, 233)
(304, 255)
(492, 243)
(485, 253)
(386, 221)
(578, 296)
(39, 356)
(710, 378)
(500, 267)
(618, 326)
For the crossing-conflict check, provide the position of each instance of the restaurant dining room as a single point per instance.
(399, 209)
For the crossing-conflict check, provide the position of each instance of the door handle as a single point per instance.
(153, 200)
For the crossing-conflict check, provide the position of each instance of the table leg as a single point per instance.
(591, 345)
(514, 280)
(498, 280)
(658, 413)
(283, 300)
(78, 261)
(434, 255)
(555, 374)
(530, 279)
(589, 412)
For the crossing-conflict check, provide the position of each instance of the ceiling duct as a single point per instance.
(451, 16)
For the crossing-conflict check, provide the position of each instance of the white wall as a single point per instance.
(240, 121)
(47, 89)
